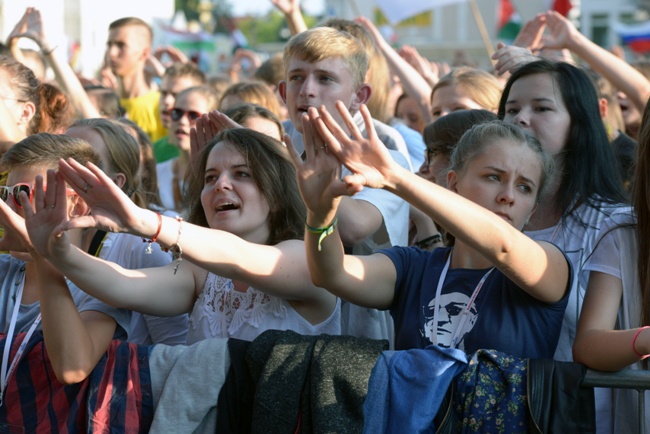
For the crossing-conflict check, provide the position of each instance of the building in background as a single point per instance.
(81, 26)
(444, 32)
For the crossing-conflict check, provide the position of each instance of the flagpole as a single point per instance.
(482, 29)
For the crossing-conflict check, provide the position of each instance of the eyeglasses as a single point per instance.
(15, 191)
(176, 114)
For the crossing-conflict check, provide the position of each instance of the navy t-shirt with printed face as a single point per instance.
(503, 317)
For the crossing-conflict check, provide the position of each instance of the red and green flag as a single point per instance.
(508, 21)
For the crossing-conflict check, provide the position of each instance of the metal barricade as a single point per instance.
(625, 379)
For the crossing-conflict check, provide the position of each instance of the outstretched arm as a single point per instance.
(563, 34)
(32, 28)
(364, 280)
(538, 268)
(279, 270)
(293, 15)
(598, 344)
(75, 341)
(413, 83)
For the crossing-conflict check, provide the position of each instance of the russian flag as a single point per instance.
(635, 36)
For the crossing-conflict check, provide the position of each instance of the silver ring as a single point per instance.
(86, 187)
(52, 206)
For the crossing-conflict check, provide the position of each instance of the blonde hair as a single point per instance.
(253, 92)
(45, 149)
(378, 74)
(211, 96)
(320, 43)
(480, 86)
(123, 154)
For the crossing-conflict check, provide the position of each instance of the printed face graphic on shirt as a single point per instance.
(450, 313)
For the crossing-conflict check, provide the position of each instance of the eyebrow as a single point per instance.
(541, 99)
(496, 169)
(318, 71)
(234, 166)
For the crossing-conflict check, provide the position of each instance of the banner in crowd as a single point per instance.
(398, 11)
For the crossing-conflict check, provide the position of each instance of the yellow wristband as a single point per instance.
(327, 230)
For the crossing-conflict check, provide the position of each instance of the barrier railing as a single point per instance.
(625, 379)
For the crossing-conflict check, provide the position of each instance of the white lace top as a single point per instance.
(221, 311)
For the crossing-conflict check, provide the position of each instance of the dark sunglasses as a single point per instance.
(15, 191)
(176, 114)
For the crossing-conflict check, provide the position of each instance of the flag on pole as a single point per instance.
(635, 36)
(508, 21)
(562, 6)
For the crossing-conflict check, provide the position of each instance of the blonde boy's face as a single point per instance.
(321, 83)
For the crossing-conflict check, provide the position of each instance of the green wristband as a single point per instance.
(327, 230)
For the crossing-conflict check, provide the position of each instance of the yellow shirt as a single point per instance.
(143, 110)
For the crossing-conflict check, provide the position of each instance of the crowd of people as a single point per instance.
(343, 187)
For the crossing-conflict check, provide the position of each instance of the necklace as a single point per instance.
(455, 339)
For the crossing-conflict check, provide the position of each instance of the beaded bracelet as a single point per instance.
(176, 249)
(324, 232)
(636, 335)
(148, 250)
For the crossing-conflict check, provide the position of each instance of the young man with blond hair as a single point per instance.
(322, 66)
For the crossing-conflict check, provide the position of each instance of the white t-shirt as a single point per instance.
(576, 236)
(616, 254)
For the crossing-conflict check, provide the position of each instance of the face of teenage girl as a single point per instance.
(231, 199)
(536, 104)
(184, 116)
(434, 167)
(409, 112)
(504, 178)
(264, 126)
(449, 99)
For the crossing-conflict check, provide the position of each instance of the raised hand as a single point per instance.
(368, 159)
(509, 57)
(207, 127)
(530, 35)
(173, 53)
(111, 208)
(287, 7)
(319, 176)
(421, 65)
(560, 31)
(30, 26)
(46, 216)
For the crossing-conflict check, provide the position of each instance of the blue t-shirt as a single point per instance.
(503, 317)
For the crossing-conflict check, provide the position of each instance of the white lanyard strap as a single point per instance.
(5, 374)
(465, 313)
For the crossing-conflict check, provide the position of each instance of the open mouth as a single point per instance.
(226, 206)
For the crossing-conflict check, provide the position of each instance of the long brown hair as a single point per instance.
(273, 173)
(640, 201)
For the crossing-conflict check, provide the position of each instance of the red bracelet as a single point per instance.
(148, 250)
(636, 335)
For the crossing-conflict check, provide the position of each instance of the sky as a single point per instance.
(261, 7)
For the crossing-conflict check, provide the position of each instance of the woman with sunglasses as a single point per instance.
(77, 328)
(172, 174)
